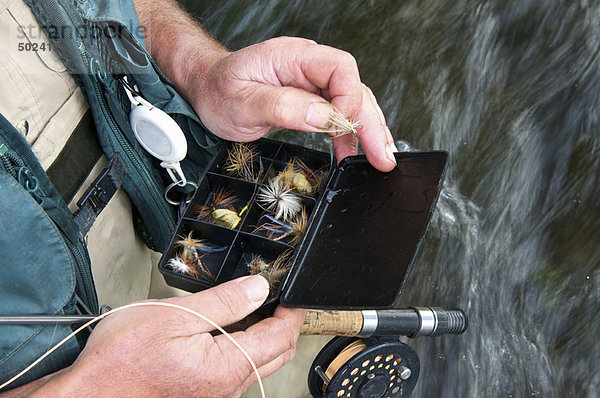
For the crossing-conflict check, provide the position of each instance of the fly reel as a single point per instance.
(364, 368)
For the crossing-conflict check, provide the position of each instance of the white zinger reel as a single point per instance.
(157, 133)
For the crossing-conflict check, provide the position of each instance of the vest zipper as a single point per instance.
(152, 194)
(84, 278)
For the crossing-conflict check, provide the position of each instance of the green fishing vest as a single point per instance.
(96, 39)
(44, 266)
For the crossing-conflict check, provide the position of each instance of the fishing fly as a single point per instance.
(278, 230)
(221, 210)
(275, 198)
(273, 271)
(244, 161)
(339, 125)
(188, 260)
(298, 177)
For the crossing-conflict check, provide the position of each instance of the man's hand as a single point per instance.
(281, 83)
(290, 83)
(154, 351)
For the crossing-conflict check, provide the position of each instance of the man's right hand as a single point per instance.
(156, 351)
(282, 83)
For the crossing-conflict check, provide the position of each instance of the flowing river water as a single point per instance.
(511, 89)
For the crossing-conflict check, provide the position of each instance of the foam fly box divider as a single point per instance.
(363, 232)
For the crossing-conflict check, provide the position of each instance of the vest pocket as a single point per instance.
(37, 277)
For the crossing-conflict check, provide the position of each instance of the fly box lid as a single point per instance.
(361, 232)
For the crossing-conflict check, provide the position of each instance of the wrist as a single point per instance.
(192, 68)
(181, 48)
(59, 384)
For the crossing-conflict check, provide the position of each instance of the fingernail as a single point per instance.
(318, 114)
(389, 152)
(256, 287)
(391, 143)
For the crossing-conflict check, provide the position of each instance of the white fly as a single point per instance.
(274, 197)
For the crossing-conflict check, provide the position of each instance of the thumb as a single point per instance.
(290, 108)
(227, 303)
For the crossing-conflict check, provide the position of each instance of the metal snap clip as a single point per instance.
(175, 184)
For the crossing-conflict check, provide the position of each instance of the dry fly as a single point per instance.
(188, 261)
(180, 266)
(298, 225)
(275, 198)
(339, 125)
(278, 230)
(221, 210)
(297, 176)
(241, 161)
(274, 271)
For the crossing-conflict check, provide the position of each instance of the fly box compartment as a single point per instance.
(326, 236)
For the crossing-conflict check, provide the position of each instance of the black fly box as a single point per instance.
(348, 241)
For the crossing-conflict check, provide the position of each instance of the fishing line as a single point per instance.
(344, 356)
(143, 304)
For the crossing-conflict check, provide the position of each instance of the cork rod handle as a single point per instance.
(338, 323)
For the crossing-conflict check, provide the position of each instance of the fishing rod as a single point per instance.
(411, 322)
(366, 359)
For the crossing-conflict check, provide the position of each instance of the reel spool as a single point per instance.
(364, 368)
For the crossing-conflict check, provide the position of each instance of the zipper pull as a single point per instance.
(16, 167)
(30, 182)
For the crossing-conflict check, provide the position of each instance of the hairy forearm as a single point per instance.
(180, 47)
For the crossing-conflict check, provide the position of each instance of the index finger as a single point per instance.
(375, 136)
(335, 72)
